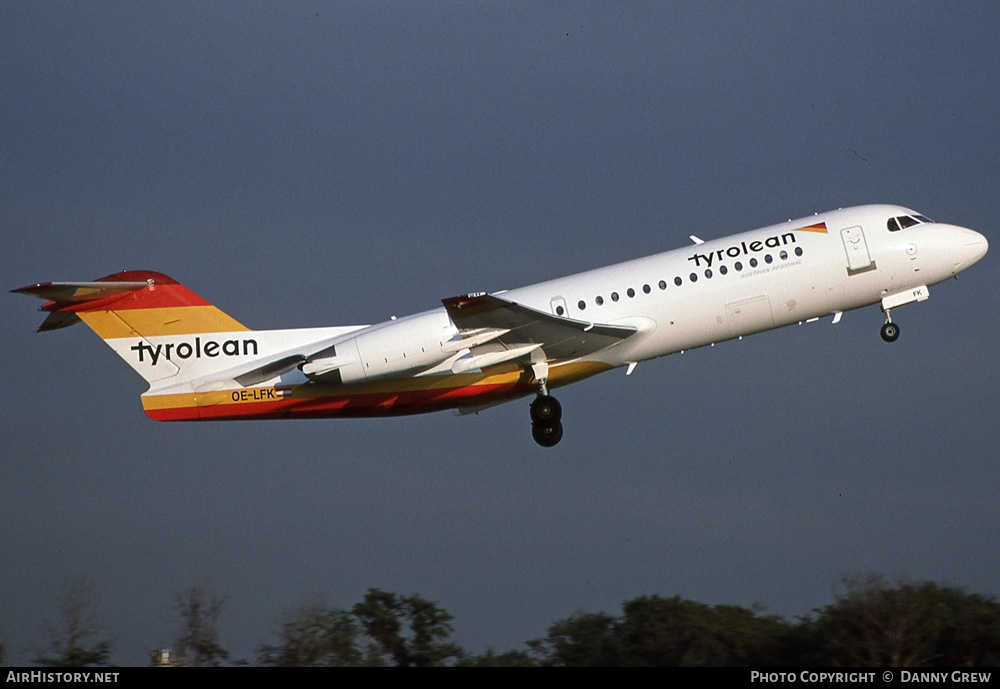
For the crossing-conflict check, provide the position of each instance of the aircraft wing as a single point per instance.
(523, 330)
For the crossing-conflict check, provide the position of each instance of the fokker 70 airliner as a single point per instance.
(483, 349)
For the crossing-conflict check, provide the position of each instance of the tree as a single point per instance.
(198, 642)
(969, 629)
(315, 635)
(673, 631)
(874, 624)
(581, 640)
(657, 631)
(493, 659)
(75, 643)
(405, 631)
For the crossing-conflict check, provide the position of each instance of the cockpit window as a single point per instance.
(903, 221)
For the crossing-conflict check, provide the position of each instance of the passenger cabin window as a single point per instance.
(894, 224)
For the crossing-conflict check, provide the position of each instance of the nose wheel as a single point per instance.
(546, 416)
(889, 330)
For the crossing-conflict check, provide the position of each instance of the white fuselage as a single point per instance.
(484, 349)
(715, 301)
(698, 295)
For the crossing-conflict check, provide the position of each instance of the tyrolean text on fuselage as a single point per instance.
(742, 249)
(197, 349)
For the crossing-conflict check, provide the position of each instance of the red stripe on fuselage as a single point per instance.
(347, 406)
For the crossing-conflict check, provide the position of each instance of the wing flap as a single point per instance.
(269, 370)
(560, 338)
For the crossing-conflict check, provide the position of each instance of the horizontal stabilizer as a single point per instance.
(57, 320)
(63, 293)
(64, 298)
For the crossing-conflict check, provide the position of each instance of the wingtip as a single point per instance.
(28, 288)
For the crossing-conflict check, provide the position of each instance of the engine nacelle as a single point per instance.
(397, 347)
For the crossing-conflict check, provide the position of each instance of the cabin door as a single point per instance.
(858, 258)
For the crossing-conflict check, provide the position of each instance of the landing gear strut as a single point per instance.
(889, 331)
(546, 415)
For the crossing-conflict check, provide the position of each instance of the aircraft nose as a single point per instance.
(974, 247)
(964, 247)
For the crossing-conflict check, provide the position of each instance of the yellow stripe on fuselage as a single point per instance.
(502, 375)
(174, 320)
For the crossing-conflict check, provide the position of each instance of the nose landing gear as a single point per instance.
(889, 330)
(546, 415)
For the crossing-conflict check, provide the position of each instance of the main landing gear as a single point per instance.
(889, 331)
(546, 415)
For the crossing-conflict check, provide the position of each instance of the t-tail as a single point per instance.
(166, 332)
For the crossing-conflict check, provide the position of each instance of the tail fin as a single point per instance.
(139, 314)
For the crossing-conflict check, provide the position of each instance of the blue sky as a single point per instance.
(338, 163)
